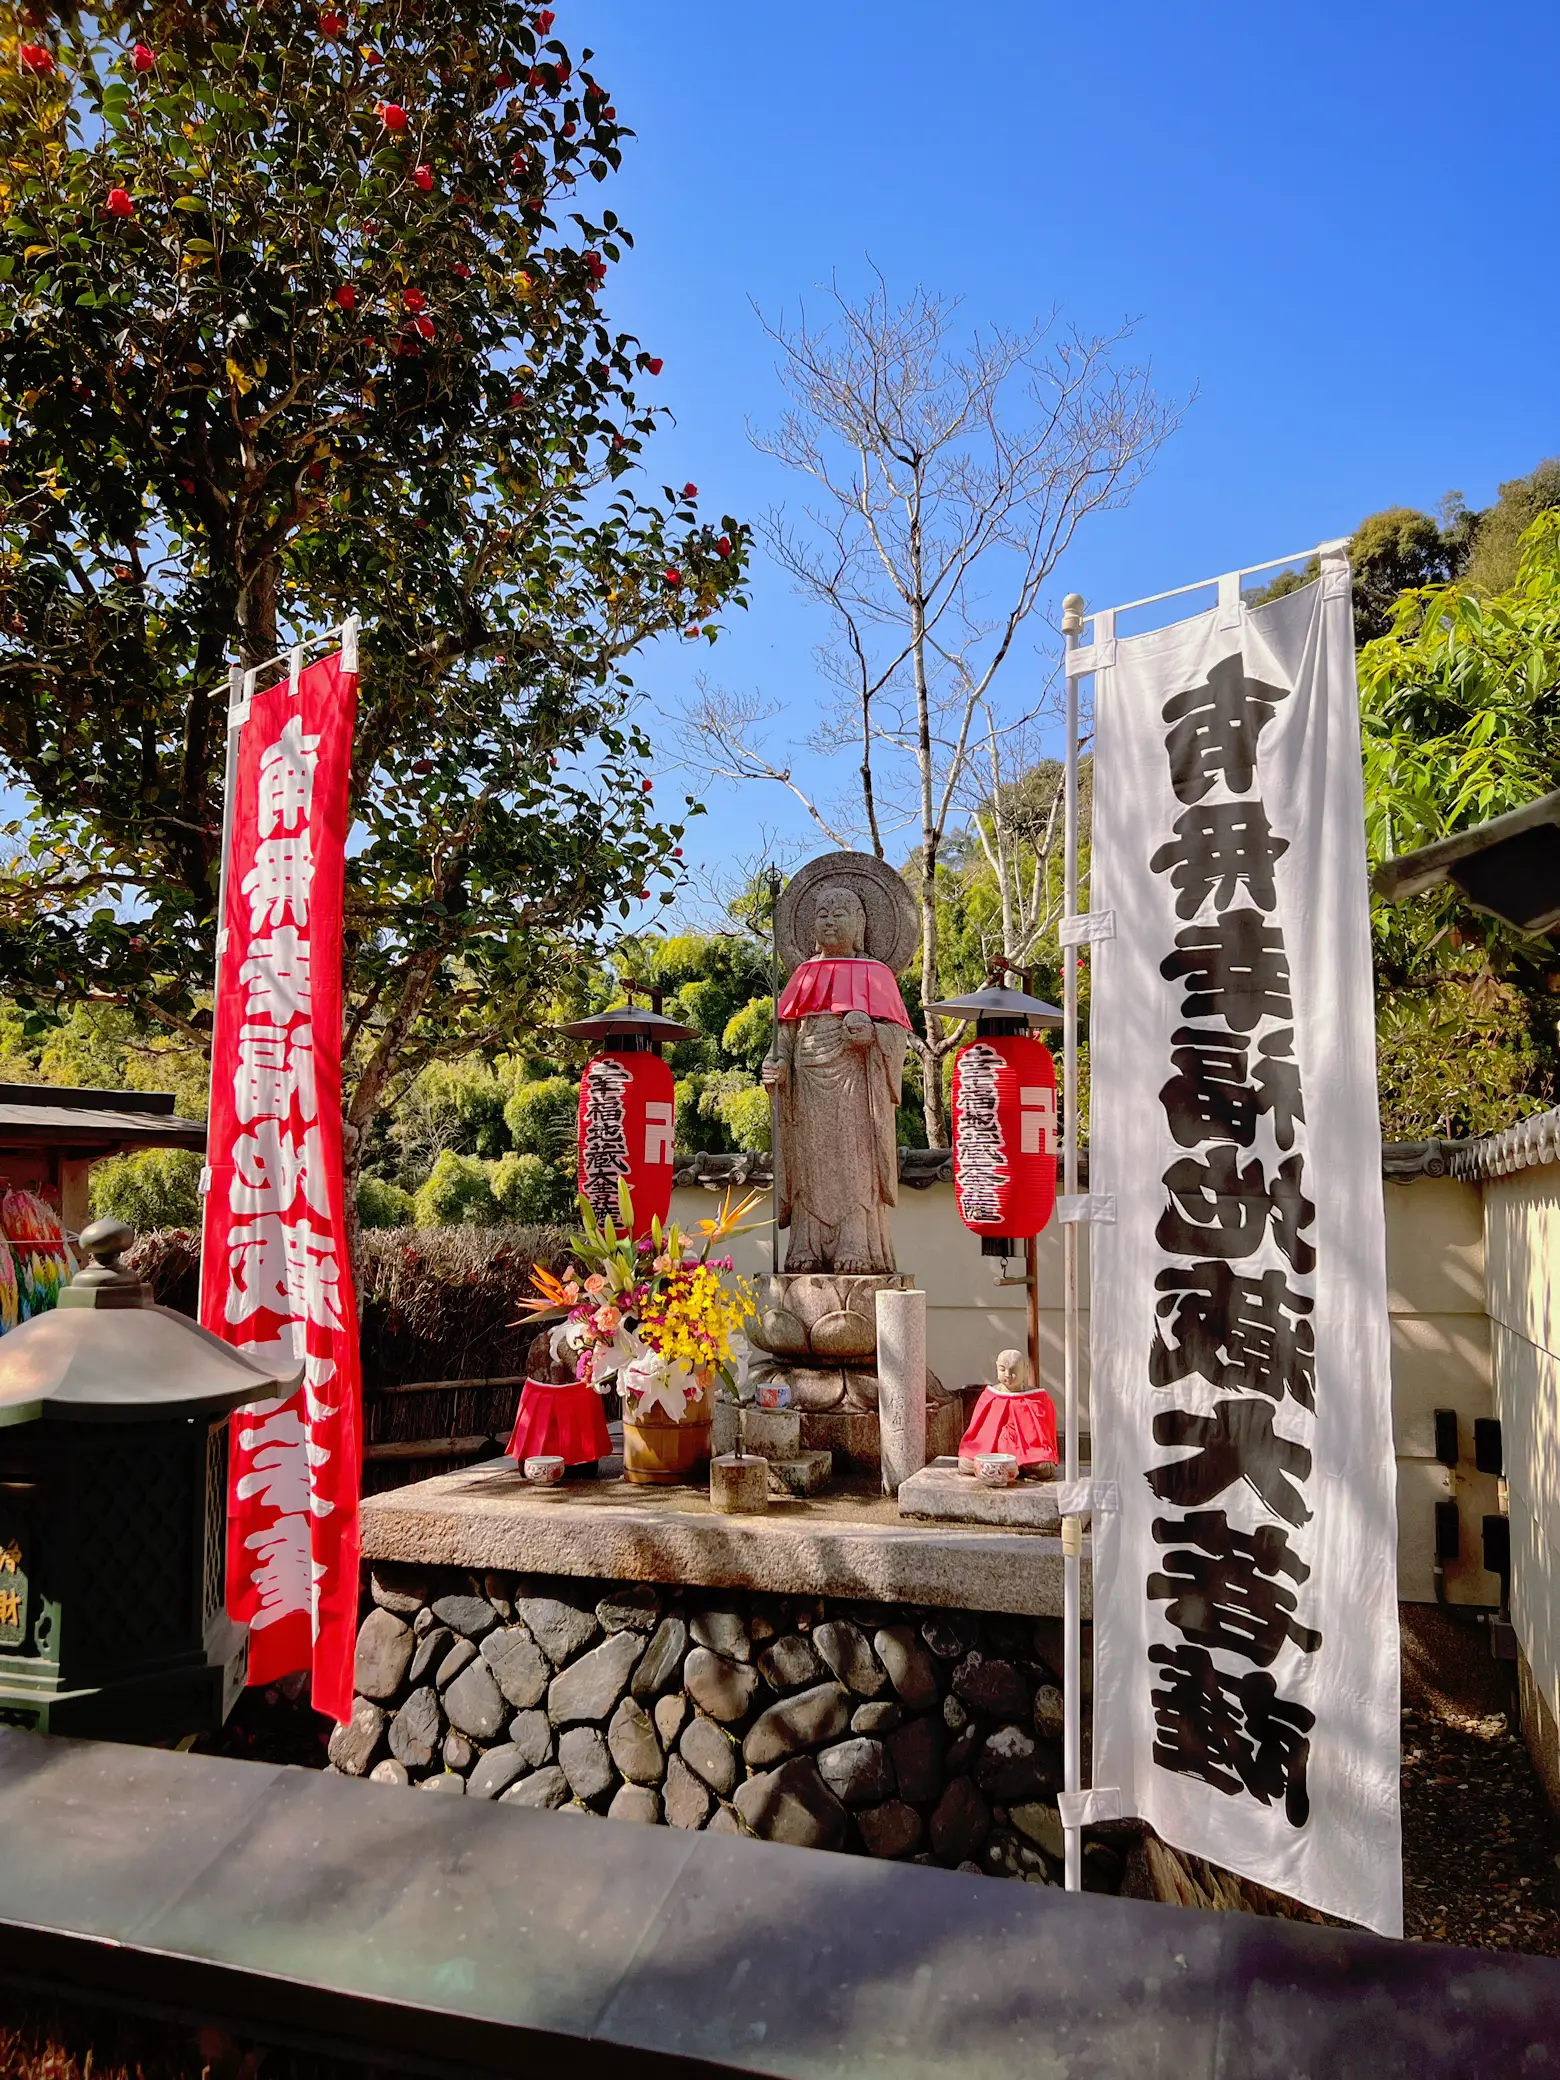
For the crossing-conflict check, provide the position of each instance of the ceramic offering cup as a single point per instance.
(545, 1471)
(774, 1394)
(996, 1469)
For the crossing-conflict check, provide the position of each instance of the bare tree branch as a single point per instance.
(946, 478)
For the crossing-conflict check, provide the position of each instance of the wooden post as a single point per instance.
(1032, 1280)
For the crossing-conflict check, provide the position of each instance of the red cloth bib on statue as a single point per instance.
(824, 984)
(1023, 1424)
(565, 1420)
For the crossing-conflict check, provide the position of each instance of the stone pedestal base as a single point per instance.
(852, 1435)
(739, 1487)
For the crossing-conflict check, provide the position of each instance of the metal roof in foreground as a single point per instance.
(449, 1935)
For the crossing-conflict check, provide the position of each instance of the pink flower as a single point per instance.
(595, 1283)
(608, 1321)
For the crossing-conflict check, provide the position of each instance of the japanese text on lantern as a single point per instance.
(604, 1157)
(281, 1244)
(983, 1166)
(1234, 1346)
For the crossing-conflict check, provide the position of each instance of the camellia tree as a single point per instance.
(300, 314)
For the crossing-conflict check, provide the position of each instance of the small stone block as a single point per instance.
(739, 1487)
(809, 1473)
(947, 1496)
(773, 1433)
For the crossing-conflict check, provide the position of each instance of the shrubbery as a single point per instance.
(151, 1188)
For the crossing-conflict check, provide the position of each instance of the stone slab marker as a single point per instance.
(901, 1363)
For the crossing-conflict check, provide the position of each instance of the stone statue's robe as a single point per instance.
(838, 1156)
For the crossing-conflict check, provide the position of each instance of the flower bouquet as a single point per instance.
(661, 1320)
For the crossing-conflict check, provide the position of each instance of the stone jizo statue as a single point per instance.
(836, 1067)
(1012, 1373)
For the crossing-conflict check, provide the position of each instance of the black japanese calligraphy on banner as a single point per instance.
(1245, 1646)
(1232, 1069)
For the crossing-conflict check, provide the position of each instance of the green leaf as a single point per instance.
(192, 203)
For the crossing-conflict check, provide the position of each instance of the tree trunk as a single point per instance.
(932, 1109)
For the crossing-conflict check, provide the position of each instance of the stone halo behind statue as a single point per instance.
(893, 928)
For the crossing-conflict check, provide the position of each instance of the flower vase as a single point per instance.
(661, 1450)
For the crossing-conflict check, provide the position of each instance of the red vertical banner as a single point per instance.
(276, 1273)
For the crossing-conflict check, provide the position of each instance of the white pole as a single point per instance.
(1072, 1527)
(238, 687)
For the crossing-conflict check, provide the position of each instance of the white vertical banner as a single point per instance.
(1246, 1695)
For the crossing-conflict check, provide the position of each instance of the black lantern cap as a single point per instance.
(996, 1001)
(626, 1019)
(108, 1353)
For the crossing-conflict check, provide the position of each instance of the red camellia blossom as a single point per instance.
(723, 546)
(644, 895)
(36, 57)
(690, 491)
(648, 786)
(596, 268)
(392, 115)
(544, 21)
(423, 178)
(569, 129)
(517, 400)
(654, 366)
(119, 204)
(504, 81)
(676, 852)
(461, 271)
(618, 441)
(609, 115)
(673, 577)
(346, 296)
(372, 58)
(424, 326)
(413, 300)
(692, 629)
(330, 25)
(143, 57)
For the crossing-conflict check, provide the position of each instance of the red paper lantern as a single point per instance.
(627, 1119)
(1004, 1135)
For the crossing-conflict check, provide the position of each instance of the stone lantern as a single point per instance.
(113, 1510)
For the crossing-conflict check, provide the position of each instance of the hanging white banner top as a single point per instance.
(1246, 1696)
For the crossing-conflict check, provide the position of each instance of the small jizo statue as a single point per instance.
(837, 1069)
(1012, 1373)
(1013, 1416)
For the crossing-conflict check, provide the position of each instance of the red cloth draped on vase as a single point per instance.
(563, 1421)
(1023, 1424)
(823, 984)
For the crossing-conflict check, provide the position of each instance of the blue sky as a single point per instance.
(1337, 223)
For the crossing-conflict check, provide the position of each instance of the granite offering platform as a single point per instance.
(851, 1542)
(941, 1494)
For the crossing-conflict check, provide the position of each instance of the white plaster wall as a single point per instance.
(1522, 1270)
(1440, 1339)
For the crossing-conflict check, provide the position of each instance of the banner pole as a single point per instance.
(1072, 1527)
(237, 708)
(774, 1095)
